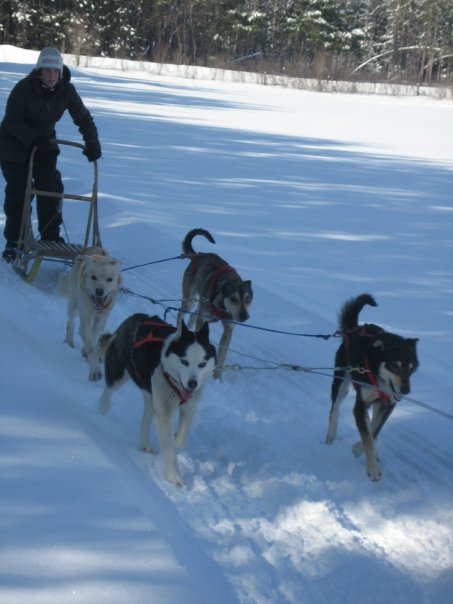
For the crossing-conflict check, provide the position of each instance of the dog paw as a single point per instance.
(372, 468)
(330, 439)
(95, 376)
(147, 449)
(374, 474)
(217, 374)
(177, 481)
(174, 477)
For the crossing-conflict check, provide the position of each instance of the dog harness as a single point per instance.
(220, 270)
(372, 332)
(159, 332)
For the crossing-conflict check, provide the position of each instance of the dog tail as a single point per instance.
(349, 314)
(187, 243)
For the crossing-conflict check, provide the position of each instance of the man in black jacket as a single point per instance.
(34, 106)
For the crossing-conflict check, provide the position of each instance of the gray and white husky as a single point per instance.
(222, 294)
(170, 366)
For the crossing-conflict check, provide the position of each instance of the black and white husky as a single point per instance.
(170, 366)
(379, 365)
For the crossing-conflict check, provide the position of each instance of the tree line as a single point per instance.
(401, 41)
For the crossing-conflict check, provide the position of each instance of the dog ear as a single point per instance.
(183, 329)
(412, 342)
(379, 344)
(248, 286)
(204, 332)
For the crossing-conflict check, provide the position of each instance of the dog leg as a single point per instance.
(147, 418)
(357, 449)
(72, 312)
(187, 297)
(115, 376)
(182, 311)
(340, 388)
(166, 442)
(192, 319)
(94, 363)
(223, 348)
(90, 336)
(95, 373)
(105, 402)
(186, 415)
(364, 427)
(380, 416)
(381, 412)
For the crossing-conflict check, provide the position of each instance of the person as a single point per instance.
(34, 106)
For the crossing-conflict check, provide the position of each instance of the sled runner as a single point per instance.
(31, 251)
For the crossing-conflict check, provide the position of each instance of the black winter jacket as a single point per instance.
(33, 110)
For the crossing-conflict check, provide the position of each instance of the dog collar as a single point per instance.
(382, 396)
(361, 330)
(183, 396)
(218, 314)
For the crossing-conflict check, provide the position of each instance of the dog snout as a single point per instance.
(405, 387)
(243, 315)
(192, 384)
(99, 291)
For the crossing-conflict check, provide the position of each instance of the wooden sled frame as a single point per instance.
(31, 251)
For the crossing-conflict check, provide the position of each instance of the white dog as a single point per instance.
(91, 286)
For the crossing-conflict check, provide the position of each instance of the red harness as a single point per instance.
(221, 269)
(361, 331)
(166, 329)
(151, 337)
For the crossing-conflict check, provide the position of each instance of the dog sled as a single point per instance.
(31, 251)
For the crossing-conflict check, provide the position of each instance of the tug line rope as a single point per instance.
(286, 366)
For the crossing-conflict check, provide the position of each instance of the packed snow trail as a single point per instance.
(314, 198)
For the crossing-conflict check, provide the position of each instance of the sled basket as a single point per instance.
(31, 252)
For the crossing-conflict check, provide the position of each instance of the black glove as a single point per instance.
(92, 153)
(41, 141)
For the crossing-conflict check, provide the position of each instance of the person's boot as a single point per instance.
(9, 253)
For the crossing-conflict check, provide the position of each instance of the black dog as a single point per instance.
(379, 364)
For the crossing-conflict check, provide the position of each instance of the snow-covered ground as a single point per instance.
(315, 198)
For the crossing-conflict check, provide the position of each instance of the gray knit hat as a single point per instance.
(50, 58)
